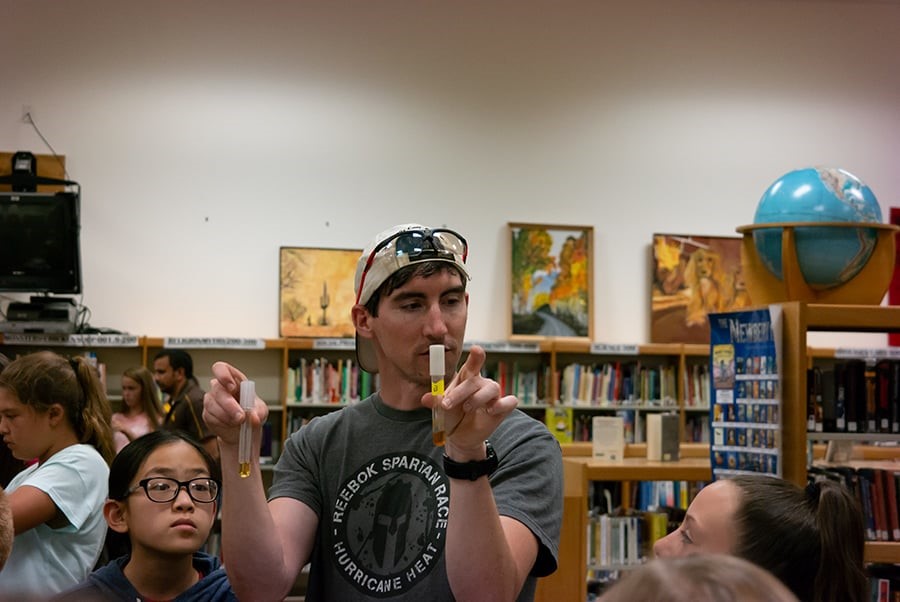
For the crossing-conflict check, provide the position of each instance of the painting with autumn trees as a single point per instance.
(316, 292)
(552, 281)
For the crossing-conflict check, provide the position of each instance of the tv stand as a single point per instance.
(43, 314)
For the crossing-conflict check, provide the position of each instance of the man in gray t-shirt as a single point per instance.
(363, 494)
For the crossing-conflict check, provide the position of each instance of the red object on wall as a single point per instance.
(894, 291)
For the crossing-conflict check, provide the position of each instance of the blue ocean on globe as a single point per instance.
(828, 256)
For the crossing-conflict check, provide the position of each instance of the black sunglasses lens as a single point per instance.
(410, 243)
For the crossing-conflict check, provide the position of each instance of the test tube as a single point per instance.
(436, 365)
(248, 398)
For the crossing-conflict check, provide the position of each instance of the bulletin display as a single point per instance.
(745, 408)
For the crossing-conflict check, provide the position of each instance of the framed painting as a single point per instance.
(691, 277)
(316, 291)
(552, 278)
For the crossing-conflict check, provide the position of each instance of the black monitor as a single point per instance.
(40, 248)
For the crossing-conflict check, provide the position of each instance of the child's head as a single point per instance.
(44, 396)
(699, 578)
(163, 490)
(139, 392)
(812, 539)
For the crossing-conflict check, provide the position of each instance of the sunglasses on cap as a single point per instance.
(419, 244)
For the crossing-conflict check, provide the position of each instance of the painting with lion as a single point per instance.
(691, 277)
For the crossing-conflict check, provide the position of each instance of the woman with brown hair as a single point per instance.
(811, 539)
(54, 411)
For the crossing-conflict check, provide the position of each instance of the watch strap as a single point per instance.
(473, 470)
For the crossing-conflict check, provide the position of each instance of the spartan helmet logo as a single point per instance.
(392, 515)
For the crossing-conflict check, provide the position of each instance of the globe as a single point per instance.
(828, 256)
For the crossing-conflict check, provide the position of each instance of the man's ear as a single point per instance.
(361, 317)
(115, 514)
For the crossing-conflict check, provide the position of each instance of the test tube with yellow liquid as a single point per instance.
(248, 398)
(436, 368)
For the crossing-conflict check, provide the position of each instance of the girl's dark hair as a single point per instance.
(129, 459)
(796, 533)
(44, 378)
(407, 273)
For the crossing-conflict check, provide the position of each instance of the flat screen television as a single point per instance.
(40, 249)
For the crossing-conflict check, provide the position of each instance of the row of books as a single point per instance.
(341, 381)
(854, 397)
(616, 382)
(618, 541)
(530, 386)
(878, 491)
(696, 428)
(696, 386)
(321, 380)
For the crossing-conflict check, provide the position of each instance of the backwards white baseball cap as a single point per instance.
(396, 248)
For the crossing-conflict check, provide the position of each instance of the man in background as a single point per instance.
(173, 371)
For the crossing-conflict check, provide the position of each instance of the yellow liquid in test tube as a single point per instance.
(436, 368)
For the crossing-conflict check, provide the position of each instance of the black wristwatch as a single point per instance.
(473, 470)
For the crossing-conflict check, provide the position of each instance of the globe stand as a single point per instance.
(866, 288)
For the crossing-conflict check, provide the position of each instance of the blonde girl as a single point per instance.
(141, 412)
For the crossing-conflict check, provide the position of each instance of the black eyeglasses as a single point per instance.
(202, 490)
(419, 244)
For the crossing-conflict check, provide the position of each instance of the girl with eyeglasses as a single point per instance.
(54, 414)
(163, 494)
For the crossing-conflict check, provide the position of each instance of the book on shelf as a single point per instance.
(608, 438)
(855, 396)
(662, 437)
(814, 399)
(561, 423)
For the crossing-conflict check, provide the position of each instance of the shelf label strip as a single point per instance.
(214, 343)
(348, 344)
(614, 349)
(72, 340)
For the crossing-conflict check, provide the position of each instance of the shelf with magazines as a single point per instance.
(798, 359)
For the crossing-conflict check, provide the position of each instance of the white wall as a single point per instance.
(207, 134)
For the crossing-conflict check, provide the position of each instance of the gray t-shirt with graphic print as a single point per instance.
(376, 481)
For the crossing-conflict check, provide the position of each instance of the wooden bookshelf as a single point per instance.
(569, 582)
(798, 320)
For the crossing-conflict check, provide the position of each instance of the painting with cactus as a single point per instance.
(316, 291)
